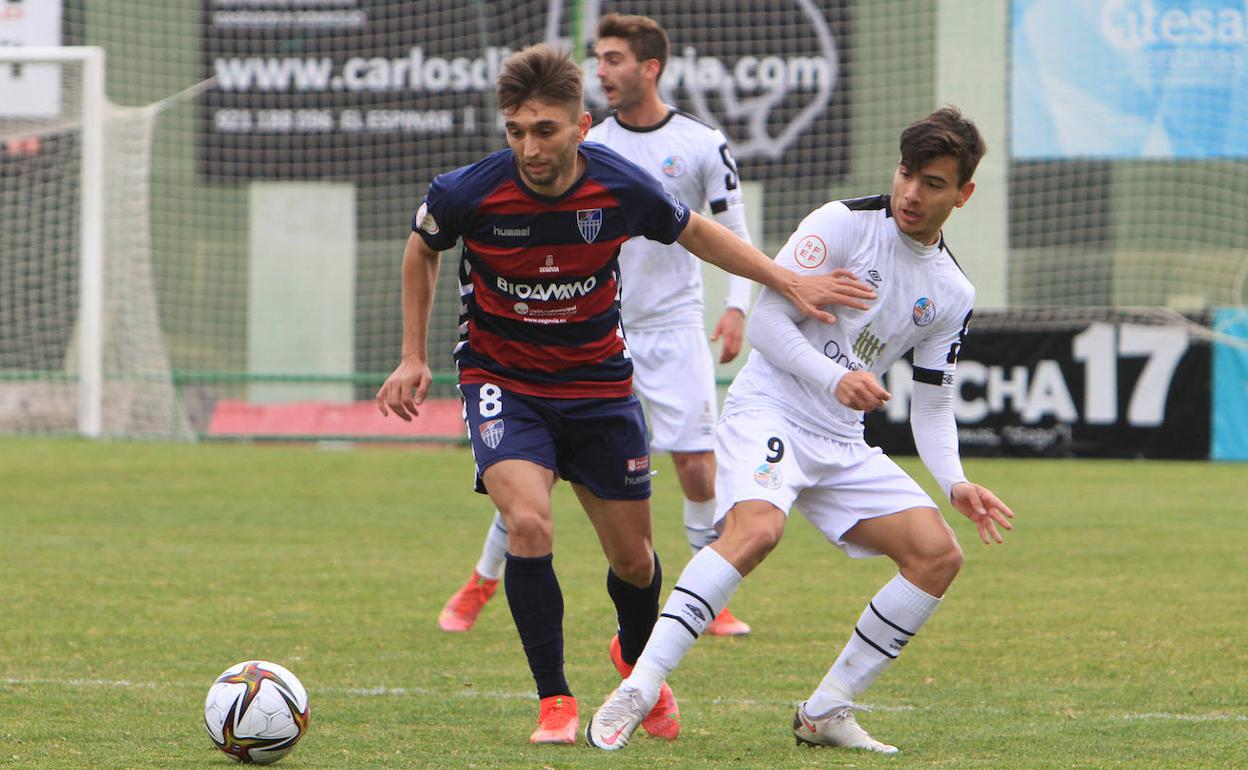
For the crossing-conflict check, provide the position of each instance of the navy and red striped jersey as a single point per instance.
(539, 279)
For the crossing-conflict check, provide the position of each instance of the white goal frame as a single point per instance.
(91, 220)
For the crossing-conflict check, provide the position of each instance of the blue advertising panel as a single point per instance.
(1129, 79)
(1230, 387)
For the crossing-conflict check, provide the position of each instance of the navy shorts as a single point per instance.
(600, 443)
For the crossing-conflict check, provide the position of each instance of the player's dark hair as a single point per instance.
(646, 39)
(540, 72)
(944, 132)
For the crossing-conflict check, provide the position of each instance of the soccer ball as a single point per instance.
(256, 711)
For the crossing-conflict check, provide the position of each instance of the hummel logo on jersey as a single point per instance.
(589, 222)
(547, 291)
(678, 208)
(867, 347)
(511, 232)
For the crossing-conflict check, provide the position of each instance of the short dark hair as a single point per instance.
(944, 132)
(540, 72)
(646, 38)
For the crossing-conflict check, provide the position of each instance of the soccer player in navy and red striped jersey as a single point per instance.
(543, 364)
(539, 276)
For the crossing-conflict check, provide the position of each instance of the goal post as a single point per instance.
(213, 249)
(81, 350)
(91, 219)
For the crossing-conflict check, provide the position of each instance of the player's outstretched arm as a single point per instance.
(404, 390)
(935, 434)
(731, 329)
(710, 241)
(984, 509)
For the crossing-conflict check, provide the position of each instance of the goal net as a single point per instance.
(253, 230)
(81, 347)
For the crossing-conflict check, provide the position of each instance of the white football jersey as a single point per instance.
(923, 302)
(662, 284)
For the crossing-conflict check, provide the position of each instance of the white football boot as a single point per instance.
(616, 719)
(838, 728)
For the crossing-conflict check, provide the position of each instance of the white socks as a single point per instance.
(886, 626)
(700, 524)
(701, 592)
(494, 552)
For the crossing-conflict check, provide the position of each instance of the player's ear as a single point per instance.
(651, 68)
(965, 193)
(582, 127)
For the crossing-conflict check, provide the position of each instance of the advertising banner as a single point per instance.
(400, 90)
(1129, 79)
(30, 90)
(1105, 390)
(1230, 385)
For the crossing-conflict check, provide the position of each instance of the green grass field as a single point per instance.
(1108, 632)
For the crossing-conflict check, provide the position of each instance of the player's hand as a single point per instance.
(983, 508)
(731, 328)
(405, 389)
(840, 287)
(859, 389)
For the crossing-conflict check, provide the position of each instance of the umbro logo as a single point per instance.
(696, 612)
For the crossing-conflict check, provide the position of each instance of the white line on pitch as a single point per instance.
(422, 692)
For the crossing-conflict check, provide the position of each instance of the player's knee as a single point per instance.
(696, 471)
(763, 541)
(757, 536)
(940, 565)
(636, 569)
(528, 533)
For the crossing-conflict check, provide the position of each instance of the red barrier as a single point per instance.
(437, 418)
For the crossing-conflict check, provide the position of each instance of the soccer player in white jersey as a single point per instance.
(661, 299)
(792, 436)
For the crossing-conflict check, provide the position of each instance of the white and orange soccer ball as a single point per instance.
(256, 711)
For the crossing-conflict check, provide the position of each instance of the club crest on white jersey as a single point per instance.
(674, 166)
(924, 311)
(768, 476)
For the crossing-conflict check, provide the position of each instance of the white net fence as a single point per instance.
(255, 229)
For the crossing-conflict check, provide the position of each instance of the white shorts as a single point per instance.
(835, 483)
(675, 378)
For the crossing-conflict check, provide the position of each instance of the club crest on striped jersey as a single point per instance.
(492, 432)
(924, 311)
(589, 222)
